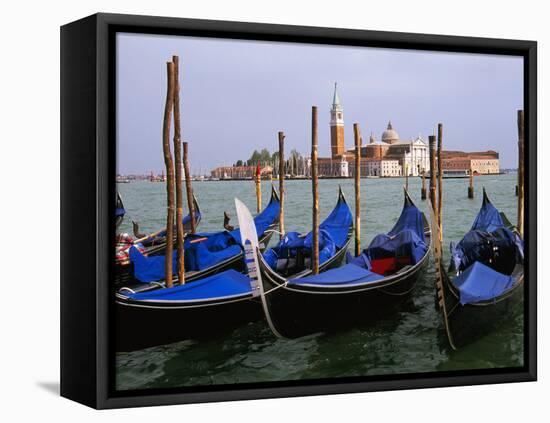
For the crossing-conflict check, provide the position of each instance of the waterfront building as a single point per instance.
(389, 157)
(384, 168)
(483, 162)
(240, 172)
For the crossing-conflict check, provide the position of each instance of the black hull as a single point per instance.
(467, 323)
(297, 311)
(139, 327)
(470, 322)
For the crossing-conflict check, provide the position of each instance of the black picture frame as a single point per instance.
(88, 197)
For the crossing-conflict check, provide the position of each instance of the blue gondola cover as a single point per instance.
(488, 219)
(480, 283)
(202, 250)
(333, 234)
(410, 219)
(406, 243)
(225, 284)
(501, 249)
(350, 274)
(406, 239)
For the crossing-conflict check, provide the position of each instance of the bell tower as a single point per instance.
(336, 125)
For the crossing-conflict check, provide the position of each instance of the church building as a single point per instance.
(390, 157)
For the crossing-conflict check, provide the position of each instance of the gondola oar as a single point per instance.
(249, 239)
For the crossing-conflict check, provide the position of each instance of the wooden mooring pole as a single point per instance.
(407, 176)
(189, 188)
(178, 165)
(169, 163)
(315, 192)
(282, 184)
(258, 180)
(433, 172)
(357, 136)
(471, 186)
(521, 179)
(440, 178)
(423, 189)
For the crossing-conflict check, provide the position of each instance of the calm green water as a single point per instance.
(411, 340)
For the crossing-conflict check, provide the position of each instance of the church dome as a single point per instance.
(390, 135)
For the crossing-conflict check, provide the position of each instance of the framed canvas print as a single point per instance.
(256, 211)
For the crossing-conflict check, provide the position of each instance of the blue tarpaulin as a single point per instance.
(498, 249)
(202, 250)
(224, 284)
(348, 274)
(333, 234)
(406, 239)
(488, 242)
(488, 219)
(410, 219)
(406, 243)
(480, 282)
(337, 223)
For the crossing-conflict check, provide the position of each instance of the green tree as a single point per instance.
(254, 159)
(265, 155)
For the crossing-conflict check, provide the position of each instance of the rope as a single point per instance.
(275, 288)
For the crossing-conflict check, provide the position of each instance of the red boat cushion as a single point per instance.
(387, 266)
(383, 266)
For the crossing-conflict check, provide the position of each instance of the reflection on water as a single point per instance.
(409, 339)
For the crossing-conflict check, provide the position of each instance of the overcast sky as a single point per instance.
(236, 95)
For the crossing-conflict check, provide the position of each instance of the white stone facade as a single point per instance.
(417, 158)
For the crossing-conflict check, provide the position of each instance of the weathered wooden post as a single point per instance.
(440, 177)
(423, 189)
(314, 189)
(258, 180)
(407, 176)
(169, 163)
(189, 188)
(471, 186)
(357, 136)
(433, 171)
(178, 165)
(521, 180)
(282, 184)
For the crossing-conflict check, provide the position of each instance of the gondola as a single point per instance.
(383, 274)
(483, 283)
(208, 306)
(206, 253)
(149, 245)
